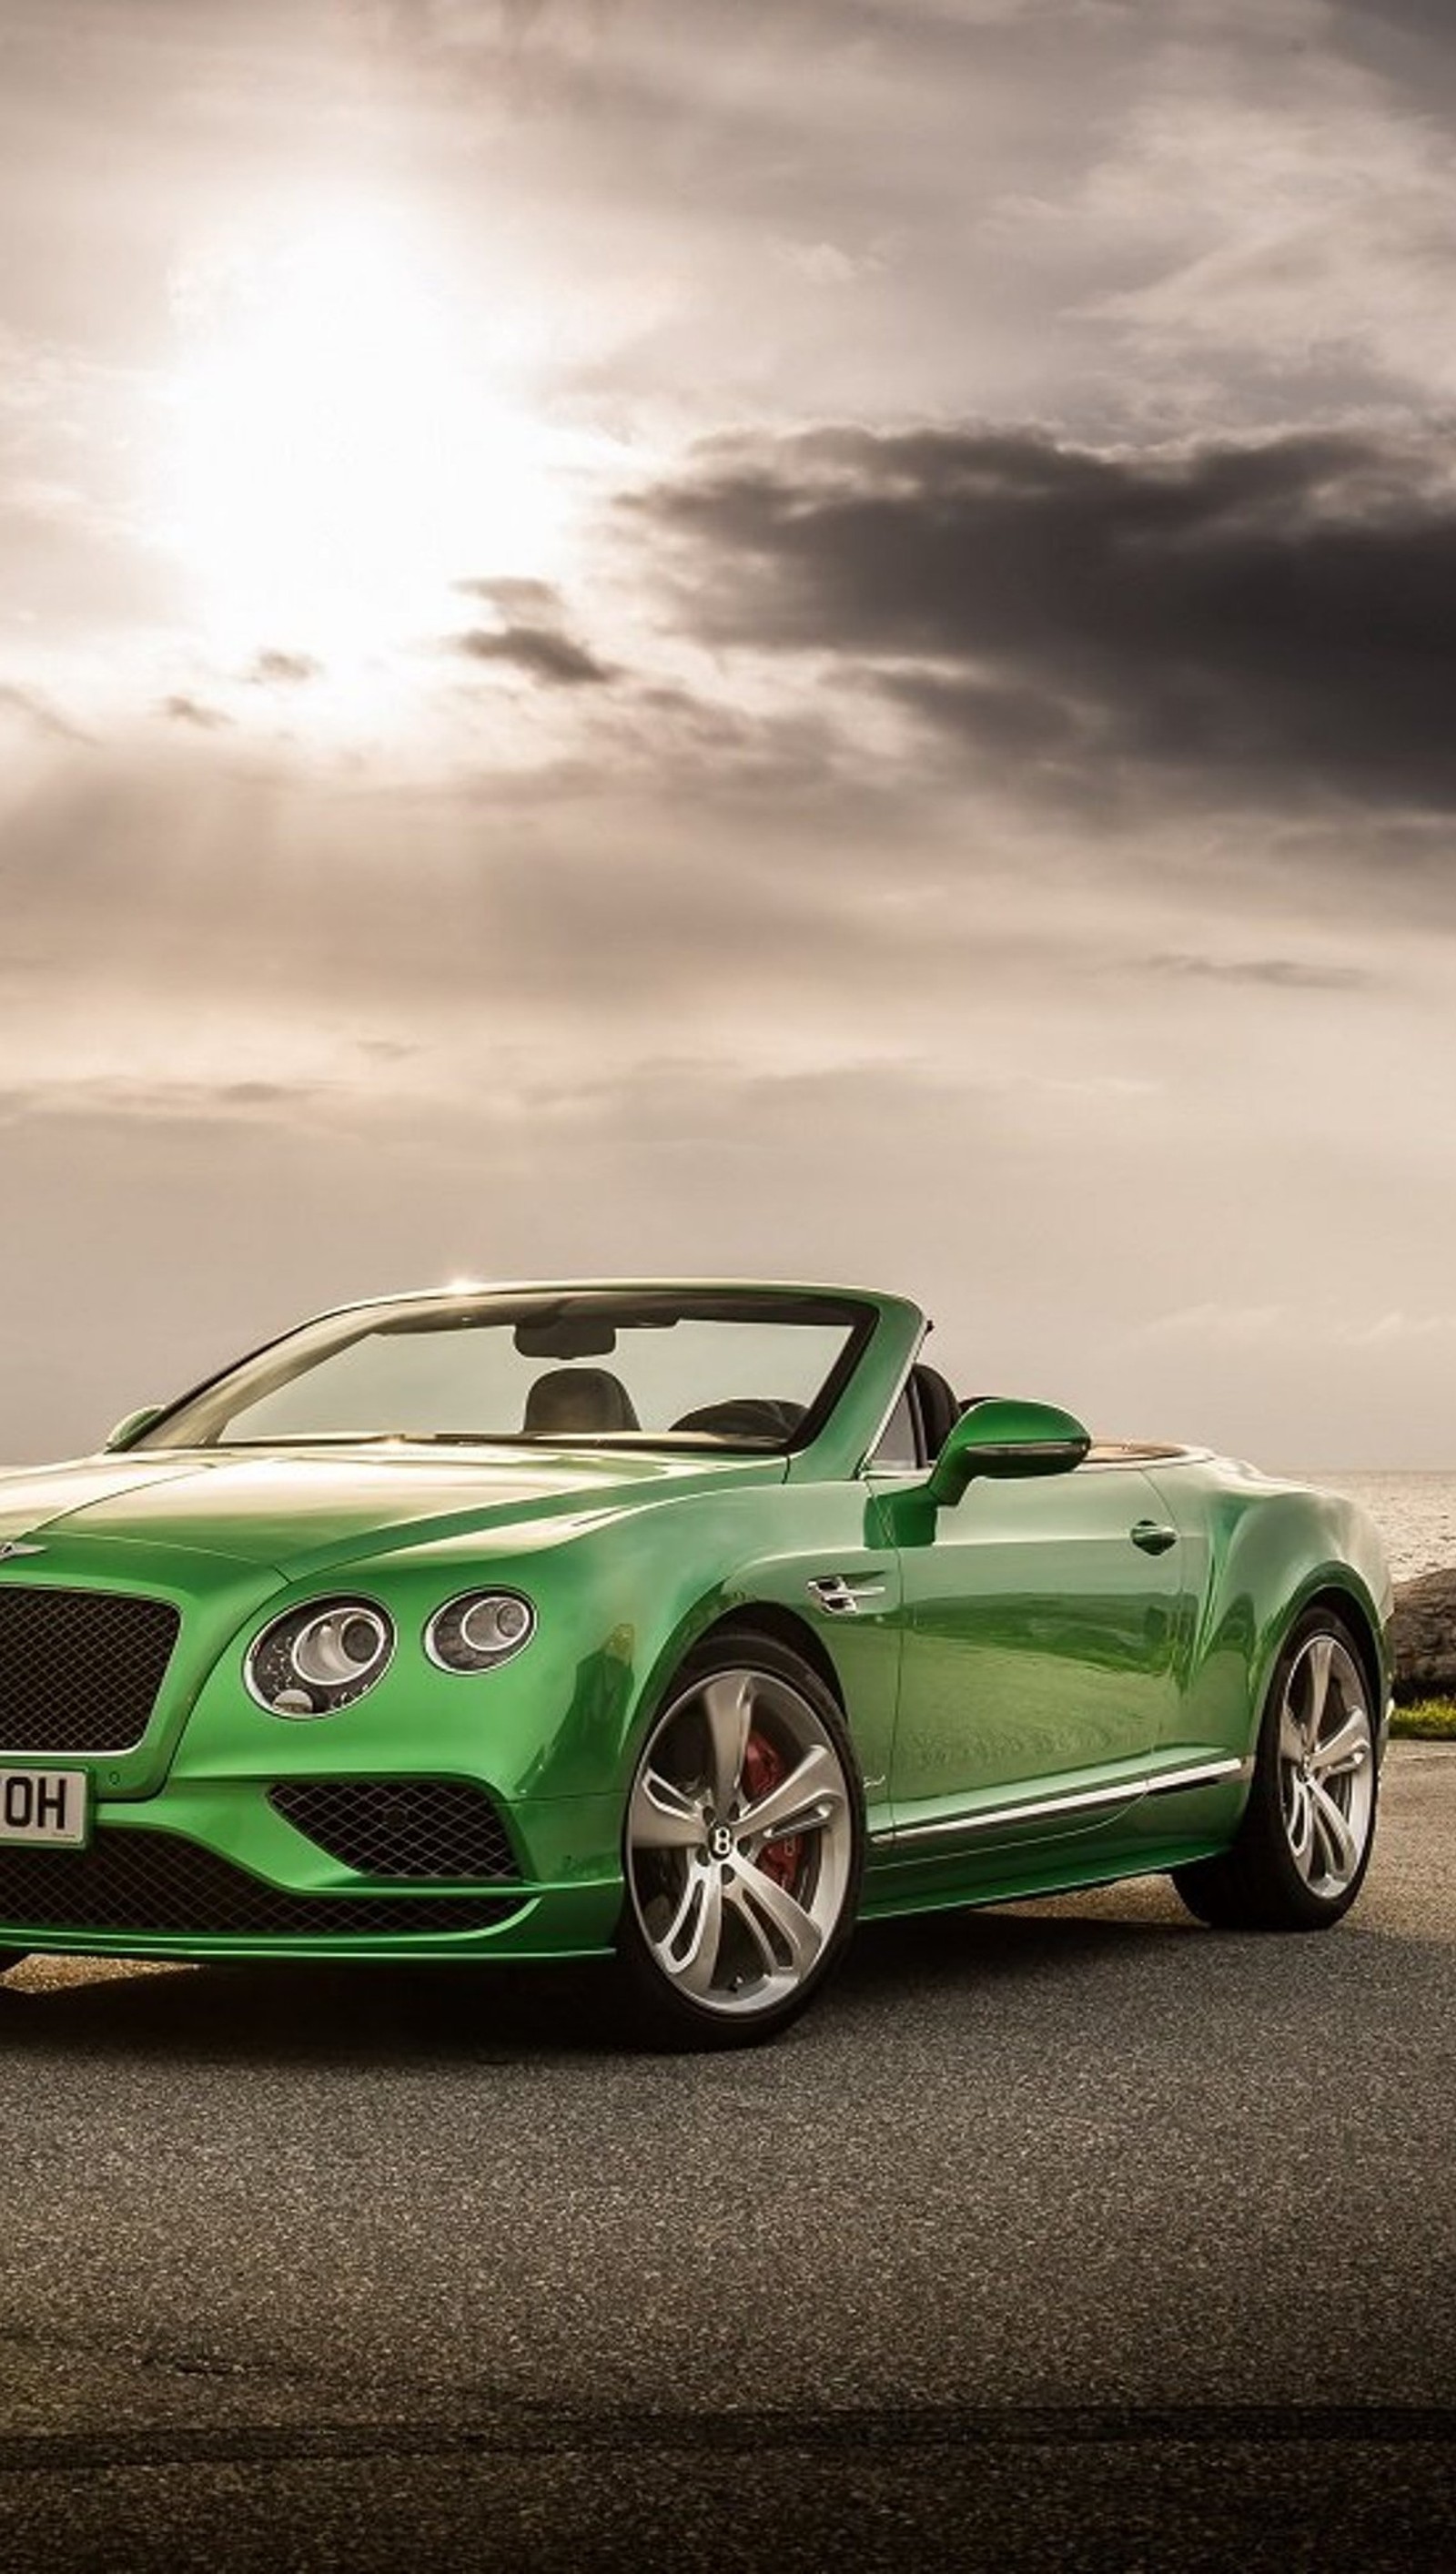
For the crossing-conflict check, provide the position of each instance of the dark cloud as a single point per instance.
(520, 48)
(1275, 621)
(192, 711)
(38, 711)
(1281, 973)
(1425, 18)
(388, 1049)
(532, 634)
(116, 1098)
(726, 754)
(534, 603)
(541, 651)
(277, 668)
(459, 27)
(1011, 722)
(446, 24)
(116, 878)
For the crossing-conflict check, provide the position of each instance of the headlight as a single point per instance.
(320, 1658)
(479, 1630)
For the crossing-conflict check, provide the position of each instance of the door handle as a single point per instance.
(1152, 1536)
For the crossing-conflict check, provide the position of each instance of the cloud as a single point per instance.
(553, 658)
(824, 263)
(1267, 218)
(536, 603)
(446, 24)
(40, 715)
(1281, 973)
(1300, 1326)
(532, 634)
(1273, 621)
(117, 1097)
(1420, 18)
(275, 669)
(486, 45)
(192, 710)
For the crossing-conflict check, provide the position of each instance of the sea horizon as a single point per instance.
(1414, 1508)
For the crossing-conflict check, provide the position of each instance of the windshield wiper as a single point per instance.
(379, 1439)
(704, 1442)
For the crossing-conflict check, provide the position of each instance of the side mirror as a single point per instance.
(132, 1426)
(1004, 1437)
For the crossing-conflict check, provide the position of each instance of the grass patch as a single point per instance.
(1431, 1719)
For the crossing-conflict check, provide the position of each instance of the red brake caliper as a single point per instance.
(763, 1767)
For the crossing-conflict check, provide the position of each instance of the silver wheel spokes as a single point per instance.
(740, 1838)
(1326, 1766)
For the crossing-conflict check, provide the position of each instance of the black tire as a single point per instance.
(1260, 1883)
(794, 1722)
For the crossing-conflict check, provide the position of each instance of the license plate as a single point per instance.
(42, 1806)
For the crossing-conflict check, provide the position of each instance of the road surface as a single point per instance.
(1061, 2236)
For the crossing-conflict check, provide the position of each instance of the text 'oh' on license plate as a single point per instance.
(42, 1806)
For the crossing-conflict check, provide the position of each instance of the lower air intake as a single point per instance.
(408, 1828)
(157, 1882)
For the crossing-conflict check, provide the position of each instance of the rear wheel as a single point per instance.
(1305, 1844)
(743, 1848)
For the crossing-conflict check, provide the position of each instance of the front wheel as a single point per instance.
(742, 1852)
(1301, 1851)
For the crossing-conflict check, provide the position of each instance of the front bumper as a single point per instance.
(219, 1873)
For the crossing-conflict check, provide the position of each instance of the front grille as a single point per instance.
(415, 1828)
(145, 1880)
(80, 1670)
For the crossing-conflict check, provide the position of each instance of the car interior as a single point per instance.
(577, 1398)
(592, 1400)
(935, 1409)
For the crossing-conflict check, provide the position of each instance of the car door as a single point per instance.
(1039, 1666)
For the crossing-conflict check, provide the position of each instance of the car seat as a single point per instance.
(575, 1398)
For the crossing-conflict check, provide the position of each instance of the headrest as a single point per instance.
(577, 1398)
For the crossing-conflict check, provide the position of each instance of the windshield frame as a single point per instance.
(651, 1303)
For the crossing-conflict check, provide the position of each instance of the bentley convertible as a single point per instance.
(675, 1622)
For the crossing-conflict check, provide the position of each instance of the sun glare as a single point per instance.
(342, 456)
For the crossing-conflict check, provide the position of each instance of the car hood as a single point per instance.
(300, 1509)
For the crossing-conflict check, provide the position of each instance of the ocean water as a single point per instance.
(1415, 1514)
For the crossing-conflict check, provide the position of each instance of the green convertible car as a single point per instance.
(678, 1623)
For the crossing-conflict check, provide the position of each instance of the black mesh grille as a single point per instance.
(415, 1828)
(80, 1670)
(143, 1881)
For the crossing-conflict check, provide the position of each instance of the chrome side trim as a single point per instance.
(1129, 1791)
(1163, 1783)
(1028, 1811)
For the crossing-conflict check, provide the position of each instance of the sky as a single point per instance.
(812, 638)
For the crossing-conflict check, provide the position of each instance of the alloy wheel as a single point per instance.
(740, 1843)
(1326, 1766)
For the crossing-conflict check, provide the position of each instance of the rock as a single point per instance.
(1423, 1634)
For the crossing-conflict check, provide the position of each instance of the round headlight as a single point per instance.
(320, 1658)
(479, 1629)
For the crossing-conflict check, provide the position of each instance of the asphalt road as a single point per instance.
(1061, 2236)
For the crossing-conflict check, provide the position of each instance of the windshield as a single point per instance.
(604, 1367)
